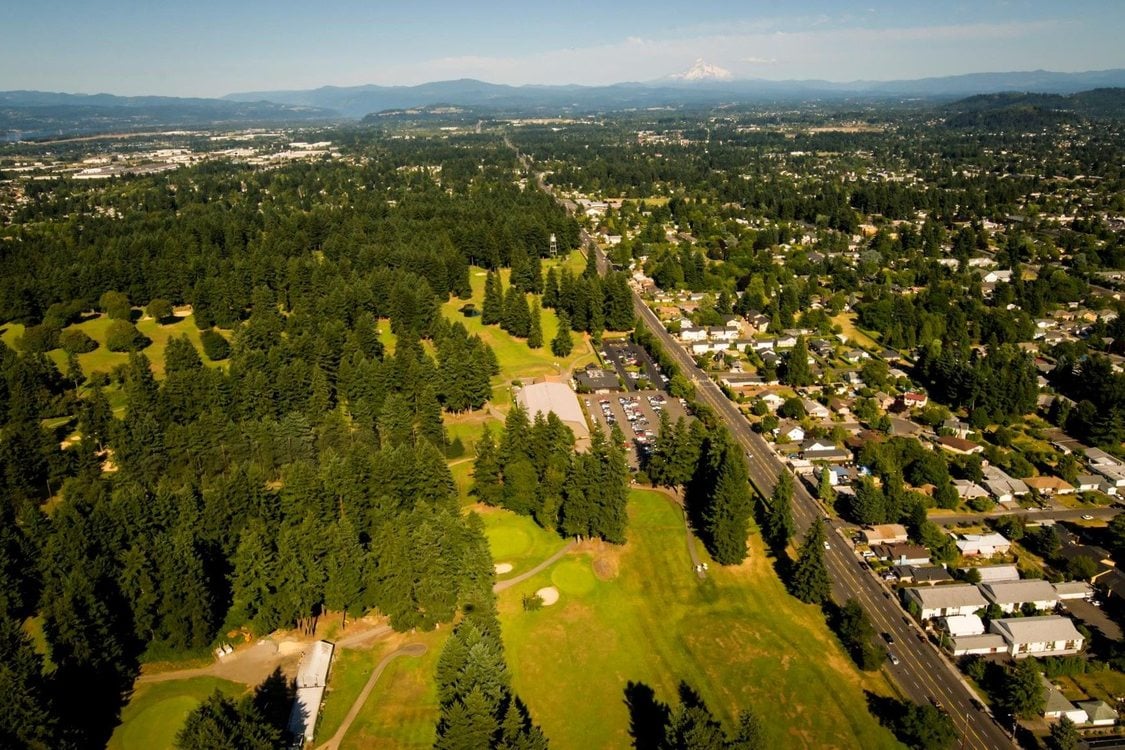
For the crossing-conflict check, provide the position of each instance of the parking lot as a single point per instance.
(627, 358)
(637, 414)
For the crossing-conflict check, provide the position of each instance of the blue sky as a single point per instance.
(210, 48)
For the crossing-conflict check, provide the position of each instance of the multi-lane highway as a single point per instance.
(922, 672)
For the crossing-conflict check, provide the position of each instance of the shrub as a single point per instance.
(76, 342)
(532, 602)
(215, 346)
(39, 339)
(123, 336)
(115, 305)
(159, 309)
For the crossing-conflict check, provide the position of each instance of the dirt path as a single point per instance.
(252, 665)
(412, 649)
(508, 583)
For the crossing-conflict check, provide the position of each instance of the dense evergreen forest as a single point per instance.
(307, 475)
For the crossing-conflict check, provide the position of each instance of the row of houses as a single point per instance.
(1009, 595)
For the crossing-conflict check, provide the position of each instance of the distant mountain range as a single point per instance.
(702, 85)
(38, 115)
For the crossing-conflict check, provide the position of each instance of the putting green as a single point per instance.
(157, 711)
(573, 577)
(507, 541)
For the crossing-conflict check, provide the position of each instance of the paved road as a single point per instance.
(412, 649)
(1032, 514)
(923, 673)
(509, 582)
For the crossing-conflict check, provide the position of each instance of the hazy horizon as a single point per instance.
(211, 50)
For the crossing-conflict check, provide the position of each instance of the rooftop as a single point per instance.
(958, 595)
(1044, 629)
(556, 398)
(1018, 592)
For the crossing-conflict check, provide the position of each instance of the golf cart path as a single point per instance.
(412, 649)
(509, 582)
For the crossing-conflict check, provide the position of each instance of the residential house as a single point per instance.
(772, 400)
(693, 334)
(957, 427)
(1047, 635)
(914, 400)
(1087, 482)
(884, 533)
(943, 601)
(1049, 486)
(1011, 596)
(790, 430)
(840, 407)
(815, 410)
(996, 276)
(758, 322)
(1057, 706)
(967, 490)
(902, 554)
(960, 446)
(983, 545)
(1098, 713)
(1003, 488)
(825, 450)
(927, 574)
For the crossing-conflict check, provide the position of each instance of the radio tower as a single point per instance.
(554, 246)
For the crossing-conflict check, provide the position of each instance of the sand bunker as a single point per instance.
(502, 568)
(549, 595)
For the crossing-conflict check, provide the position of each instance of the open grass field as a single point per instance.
(401, 711)
(103, 360)
(516, 359)
(846, 321)
(638, 613)
(157, 711)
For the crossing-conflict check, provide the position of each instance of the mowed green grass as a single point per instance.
(402, 710)
(103, 360)
(516, 359)
(737, 638)
(157, 711)
(517, 540)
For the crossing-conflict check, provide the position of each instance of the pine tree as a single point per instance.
(727, 516)
(780, 518)
(535, 334)
(795, 370)
(492, 309)
(562, 344)
(809, 581)
(486, 471)
(551, 289)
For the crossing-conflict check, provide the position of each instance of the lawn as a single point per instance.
(402, 709)
(516, 359)
(157, 711)
(103, 360)
(516, 539)
(737, 638)
(846, 321)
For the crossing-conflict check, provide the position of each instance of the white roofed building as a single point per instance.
(558, 399)
(943, 601)
(1049, 635)
(1012, 595)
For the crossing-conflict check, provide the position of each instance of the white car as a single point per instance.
(827, 545)
(1087, 517)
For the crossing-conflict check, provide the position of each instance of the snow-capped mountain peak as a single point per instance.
(703, 71)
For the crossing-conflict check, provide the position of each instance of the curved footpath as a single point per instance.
(412, 649)
(508, 583)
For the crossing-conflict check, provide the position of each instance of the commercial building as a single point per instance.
(1049, 635)
(943, 601)
(1010, 596)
